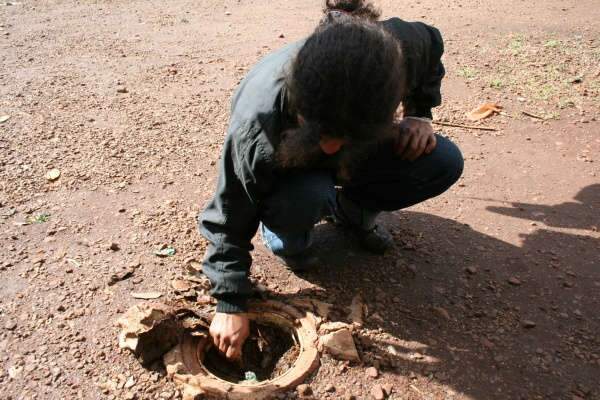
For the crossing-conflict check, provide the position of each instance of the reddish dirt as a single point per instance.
(492, 291)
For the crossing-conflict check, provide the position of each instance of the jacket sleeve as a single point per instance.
(427, 93)
(230, 220)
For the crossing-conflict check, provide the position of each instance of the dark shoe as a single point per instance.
(377, 240)
(300, 263)
(361, 223)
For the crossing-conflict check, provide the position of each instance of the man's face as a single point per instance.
(304, 147)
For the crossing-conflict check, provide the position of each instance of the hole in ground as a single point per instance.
(268, 352)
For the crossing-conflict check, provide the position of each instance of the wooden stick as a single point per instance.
(532, 115)
(481, 128)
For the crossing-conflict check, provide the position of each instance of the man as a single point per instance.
(313, 116)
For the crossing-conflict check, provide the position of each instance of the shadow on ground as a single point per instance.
(479, 315)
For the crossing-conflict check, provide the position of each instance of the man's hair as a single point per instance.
(349, 77)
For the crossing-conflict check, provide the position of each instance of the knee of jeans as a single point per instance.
(451, 163)
(299, 203)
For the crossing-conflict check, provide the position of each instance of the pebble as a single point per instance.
(330, 388)
(471, 270)
(121, 89)
(114, 246)
(303, 390)
(529, 324)
(129, 383)
(10, 325)
(372, 372)
(514, 281)
(377, 392)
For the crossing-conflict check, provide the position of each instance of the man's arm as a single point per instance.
(426, 94)
(230, 221)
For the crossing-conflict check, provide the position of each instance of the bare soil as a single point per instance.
(491, 292)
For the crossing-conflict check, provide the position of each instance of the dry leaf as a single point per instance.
(146, 295)
(484, 111)
(53, 174)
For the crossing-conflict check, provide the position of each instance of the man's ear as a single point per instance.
(331, 145)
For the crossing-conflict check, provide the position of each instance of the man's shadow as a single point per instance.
(580, 214)
(472, 312)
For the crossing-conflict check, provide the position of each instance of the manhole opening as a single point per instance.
(268, 352)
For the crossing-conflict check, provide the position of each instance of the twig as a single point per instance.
(413, 387)
(481, 128)
(532, 115)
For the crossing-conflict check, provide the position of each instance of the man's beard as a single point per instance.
(299, 149)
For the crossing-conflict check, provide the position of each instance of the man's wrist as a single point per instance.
(232, 305)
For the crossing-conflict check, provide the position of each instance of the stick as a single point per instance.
(481, 128)
(532, 115)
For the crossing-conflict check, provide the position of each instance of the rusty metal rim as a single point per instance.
(192, 350)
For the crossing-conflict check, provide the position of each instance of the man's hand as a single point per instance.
(229, 332)
(415, 138)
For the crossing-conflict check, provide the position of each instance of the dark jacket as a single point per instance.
(247, 169)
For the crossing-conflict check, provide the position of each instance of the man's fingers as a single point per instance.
(233, 353)
(419, 148)
(223, 345)
(408, 147)
(403, 141)
(431, 143)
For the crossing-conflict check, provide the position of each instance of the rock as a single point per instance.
(377, 392)
(303, 390)
(149, 331)
(442, 312)
(10, 325)
(349, 397)
(180, 285)
(471, 270)
(357, 310)
(129, 383)
(122, 89)
(513, 280)
(330, 388)
(529, 324)
(114, 247)
(14, 372)
(372, 372)
(53, 174)
(339, 344)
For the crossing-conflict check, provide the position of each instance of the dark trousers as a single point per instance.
(384, 182)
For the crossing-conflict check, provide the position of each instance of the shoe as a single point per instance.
(300, 262)
(361, 223)
(293, 250)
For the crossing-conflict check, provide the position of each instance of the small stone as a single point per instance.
(281, 36)
(514, 281)
(10, 325)
(377, 392)
(372, 372)
(121, 89)
(529, 324)
(330, 388)
(114, 247)
(442, 312)
(129, 383)
(471, 270)
(303, 390)
(349, 397)
(340, 344)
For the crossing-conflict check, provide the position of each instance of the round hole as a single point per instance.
(269, 352)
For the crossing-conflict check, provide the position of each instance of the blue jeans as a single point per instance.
(383, 182)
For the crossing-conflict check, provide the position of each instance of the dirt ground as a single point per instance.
(492, 290)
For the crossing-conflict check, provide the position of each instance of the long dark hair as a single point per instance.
(348, 78)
